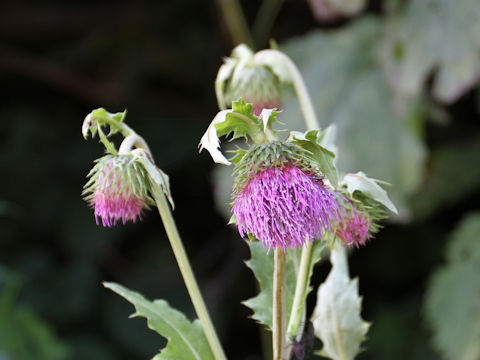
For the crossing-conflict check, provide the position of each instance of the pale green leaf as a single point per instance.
(186, 339)
(429, 35)
(261, 263)
(156, 174)
(452, 302)
(361, 182)
(336, 317)
(240, 121)
(343, 74)
(323, 157)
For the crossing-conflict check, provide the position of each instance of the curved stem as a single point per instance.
(133, 140)
(278, 304)
(187, 273)
(293, 75)
(298, 306)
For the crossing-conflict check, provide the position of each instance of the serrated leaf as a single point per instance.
(267, 118)
(452, 302)
(210, 140)
(336, 317)
(361, 182)
(345, 80)
(186, 339)
(90, 122)
(240, 121)
(439, 35)
(324, 158)
(262, 265)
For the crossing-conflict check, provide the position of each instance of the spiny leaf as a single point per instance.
(361, 182)
(452, 303)
(186, 339)
(336, 317)
(240, 121)
(261, 264)
(323, 157)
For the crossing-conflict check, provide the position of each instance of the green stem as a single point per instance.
(306, 104)
(187, 273)
(278, 304)
(133, 140)
(308, 111)
(235, 21)
(298, 306)
(264, 20)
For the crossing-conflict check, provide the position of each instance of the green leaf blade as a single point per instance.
(452, 305)
(186, 340)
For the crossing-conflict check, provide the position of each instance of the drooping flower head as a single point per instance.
(242, 76)
(364, 202)
(354, 228)
(280, 199)
(117, 190)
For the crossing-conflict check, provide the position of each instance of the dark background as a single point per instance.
(59, 61)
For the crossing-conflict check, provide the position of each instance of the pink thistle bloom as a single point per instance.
(116, 190)
(354, 229)
(285, 207)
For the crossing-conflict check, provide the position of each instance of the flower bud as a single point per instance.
(117, 190)
(242, 77)
(279, 199)
(354, 228)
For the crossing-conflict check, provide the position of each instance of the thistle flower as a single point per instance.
(117, 190)
(242, 76)
(354, 228)
(279, 199)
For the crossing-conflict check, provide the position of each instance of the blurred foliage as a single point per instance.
(383, 77)
(452, 307)
(23, 335)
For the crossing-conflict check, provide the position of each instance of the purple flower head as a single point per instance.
(354, 228)
(117, 189)
(284, 205)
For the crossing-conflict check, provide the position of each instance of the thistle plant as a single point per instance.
(287, 195)
(122, 184)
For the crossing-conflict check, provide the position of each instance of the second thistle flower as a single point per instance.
(117, 190)
(280, 199)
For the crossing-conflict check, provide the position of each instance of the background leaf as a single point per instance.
(452, 303)
(343, 73)
(186, 339)
(440, 35)
(23, 335)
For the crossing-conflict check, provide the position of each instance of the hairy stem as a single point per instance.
(306, 105)
(133, 140)
(278, 337)
(298, 306)
(187, 273)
